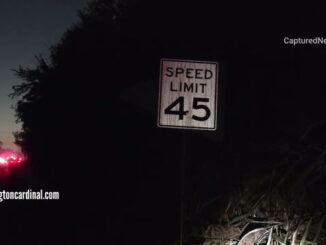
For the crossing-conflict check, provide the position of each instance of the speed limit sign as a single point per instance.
(188, 94)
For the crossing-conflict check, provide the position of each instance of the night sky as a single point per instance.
(27, 28)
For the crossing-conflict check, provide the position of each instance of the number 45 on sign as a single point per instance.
(188, 94)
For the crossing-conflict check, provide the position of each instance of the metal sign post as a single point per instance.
(182, 185)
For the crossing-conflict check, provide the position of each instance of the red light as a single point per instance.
(10, 158)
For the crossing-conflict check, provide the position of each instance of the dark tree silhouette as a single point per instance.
(73, 96)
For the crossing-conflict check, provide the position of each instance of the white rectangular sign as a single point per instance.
(188, 94)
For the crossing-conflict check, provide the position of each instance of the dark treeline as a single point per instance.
(88, 135)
